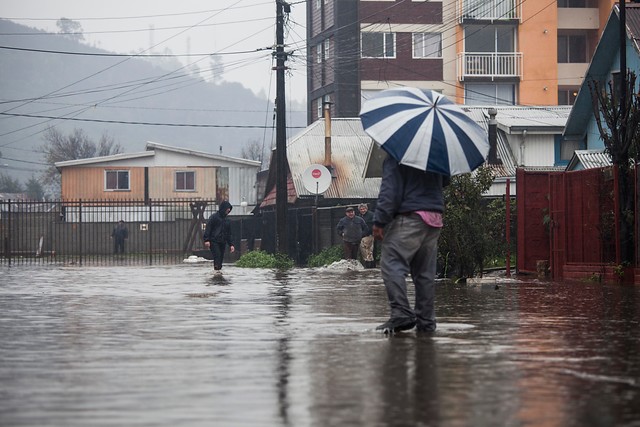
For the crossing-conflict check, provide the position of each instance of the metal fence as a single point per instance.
(159, 231)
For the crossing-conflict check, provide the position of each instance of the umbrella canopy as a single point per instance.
(424, 130)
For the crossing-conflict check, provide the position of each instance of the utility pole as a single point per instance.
(281, 136)
(623, 68)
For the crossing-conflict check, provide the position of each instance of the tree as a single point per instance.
(70, 29)
(9, 185)
(618, 122)
(76, 145)
(34, 189)
(465, 243)
(252, 151)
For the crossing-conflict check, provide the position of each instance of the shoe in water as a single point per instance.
(396, 325)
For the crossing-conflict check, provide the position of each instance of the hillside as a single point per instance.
(118, 89)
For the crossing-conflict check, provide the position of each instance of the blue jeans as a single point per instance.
(410, 247)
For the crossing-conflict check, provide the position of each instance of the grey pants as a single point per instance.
(410, 247)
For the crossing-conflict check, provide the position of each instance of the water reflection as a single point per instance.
(181, 346)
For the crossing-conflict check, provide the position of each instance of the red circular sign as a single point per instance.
(316, 173)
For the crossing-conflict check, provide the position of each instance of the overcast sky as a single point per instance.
(227, 27)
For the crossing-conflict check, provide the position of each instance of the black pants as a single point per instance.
(118, 246)
(217, 249)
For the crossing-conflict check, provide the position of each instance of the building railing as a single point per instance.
(489, 65)
(489, 10)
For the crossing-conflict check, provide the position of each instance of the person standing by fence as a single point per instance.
(366, 244)
(351, 228)
(217, 234)
(119, 234)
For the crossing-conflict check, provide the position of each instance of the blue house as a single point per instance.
(581, 131)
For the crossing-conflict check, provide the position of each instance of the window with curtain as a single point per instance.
(427, 45)
(116, 180)
(378, 45)
(185, 181)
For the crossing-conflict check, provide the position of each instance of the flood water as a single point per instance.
(178, 346)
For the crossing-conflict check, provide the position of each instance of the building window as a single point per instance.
(318, 4)
(319, 53)
(567, 96)
(572, 48)
(185, 181)
(427, 45)
(564, 149)
(616, 78)
(327, 49)
(378, 45)
(487, 38)
(116, 180)
(320, 105)
(578, 3)
(490, 94)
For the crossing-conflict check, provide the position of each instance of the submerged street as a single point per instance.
(176, 345)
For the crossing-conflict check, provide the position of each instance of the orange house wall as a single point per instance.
(539, 83)
(88, 183)
(162, 183)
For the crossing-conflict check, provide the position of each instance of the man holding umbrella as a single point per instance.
(408, 220)
(428, 139)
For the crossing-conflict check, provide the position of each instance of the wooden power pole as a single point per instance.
(281, 136)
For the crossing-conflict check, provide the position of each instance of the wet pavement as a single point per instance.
(176, 345)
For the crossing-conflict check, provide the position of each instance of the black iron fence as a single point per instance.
(158, 231)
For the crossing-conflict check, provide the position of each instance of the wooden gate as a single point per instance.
(566, 219)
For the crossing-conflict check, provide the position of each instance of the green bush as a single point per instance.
(262, 259)
(326, 257)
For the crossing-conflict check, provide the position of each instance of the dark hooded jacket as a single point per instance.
(218, 228)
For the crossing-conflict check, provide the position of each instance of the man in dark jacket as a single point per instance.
(351, 228)
(217, 234)
(408, 220)
(119, 234)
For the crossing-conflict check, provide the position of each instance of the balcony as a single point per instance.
(489, 10)
(489, 65)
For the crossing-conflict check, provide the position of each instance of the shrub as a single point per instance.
(326, 256)
(262, 259)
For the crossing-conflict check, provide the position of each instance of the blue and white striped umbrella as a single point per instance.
(424, 130)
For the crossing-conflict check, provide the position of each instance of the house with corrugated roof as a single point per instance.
(526, 137)
(604, 68)
(162, 172)
(345, 155)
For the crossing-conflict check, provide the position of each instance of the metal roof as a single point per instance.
(508, 166)
(151, 148)
(588, 159)
(350, 147)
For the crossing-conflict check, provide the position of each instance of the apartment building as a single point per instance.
(477, 52)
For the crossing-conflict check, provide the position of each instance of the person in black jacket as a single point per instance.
(408, 220)
(217, 234)
(119, 234)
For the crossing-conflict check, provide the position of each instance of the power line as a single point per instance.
(76, 119)
(134, 55)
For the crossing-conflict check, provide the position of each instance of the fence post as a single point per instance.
(149, 228)
(80, 228)
(8, 239)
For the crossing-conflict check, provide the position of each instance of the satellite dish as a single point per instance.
(316, 179)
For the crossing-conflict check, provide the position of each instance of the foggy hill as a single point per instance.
(119, 89)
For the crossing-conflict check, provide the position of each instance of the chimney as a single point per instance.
(327, 134)
(493, 137)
